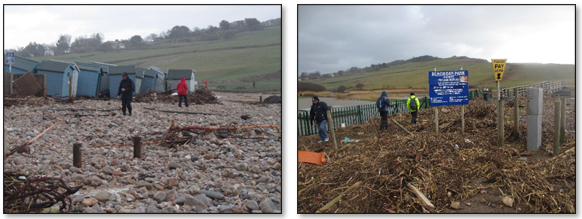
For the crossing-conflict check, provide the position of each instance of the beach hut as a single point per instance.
(175, 75)
(21, 65)
(115, 77)
(90, 79)
(57, 76)
(149, 80)
(159, 79)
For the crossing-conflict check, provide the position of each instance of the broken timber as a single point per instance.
(181, 112)
(28, 142)
(228, 128)
(421, 196)
(339, 197)
(402, 127)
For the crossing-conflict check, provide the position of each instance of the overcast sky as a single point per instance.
(333, 38)
(44, 24)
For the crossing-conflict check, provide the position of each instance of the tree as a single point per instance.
(136, 41)
(253, 24)
(341, 89)
(211, 29)
(179, 32)
(227, 34)
(224, 25)
(360, 85)
(33, 50)
(106, 46)
(63, 44)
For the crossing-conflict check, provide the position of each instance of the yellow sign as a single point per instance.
(498, 68)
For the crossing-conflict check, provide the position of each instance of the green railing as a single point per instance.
(359, 114)
(353, 115)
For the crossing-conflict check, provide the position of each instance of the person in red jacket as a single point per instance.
(183, 92)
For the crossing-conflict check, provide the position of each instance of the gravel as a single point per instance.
(214, 172)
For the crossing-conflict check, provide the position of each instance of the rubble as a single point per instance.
(441, 172)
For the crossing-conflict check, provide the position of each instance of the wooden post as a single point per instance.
(557, 128)
(462, 118)
(70, 87)
(5, 142)
(330, 123)
(77, 155)
(500, 124)
(436, 119)
(516, 115)
(563, 121)
(136, 147)
(260, 99)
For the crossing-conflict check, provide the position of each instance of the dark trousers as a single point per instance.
(414, 114)
(384, 120)
(126, 103)
(185, 100)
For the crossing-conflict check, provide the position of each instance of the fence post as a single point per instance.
(330, 123)
(516, 115)
(77, 155)
(563, 121)
(557, 128)
(360, 114)
(136, 147)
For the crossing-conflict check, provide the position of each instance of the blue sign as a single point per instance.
(10, 58)
(448, 87)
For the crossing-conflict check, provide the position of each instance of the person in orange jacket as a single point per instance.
(183, 92)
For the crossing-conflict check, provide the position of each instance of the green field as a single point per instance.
(255, 54)
(415, 74)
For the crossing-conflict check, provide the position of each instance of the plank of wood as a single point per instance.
(419, 194)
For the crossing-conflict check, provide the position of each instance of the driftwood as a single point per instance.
(402, 127)
(228, 128)
(28, 142)
(421, 196)
(182, 112)
(339, 197)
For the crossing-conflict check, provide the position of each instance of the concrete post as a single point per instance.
(557, 128)
(535, 98)
(563, 121)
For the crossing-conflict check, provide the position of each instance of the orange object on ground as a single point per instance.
(311, 157)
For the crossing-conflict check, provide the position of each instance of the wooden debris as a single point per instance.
(28, 142)
(419, 194)
(402, 127)
(339, 197)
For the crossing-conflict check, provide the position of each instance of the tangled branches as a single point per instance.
(23, 195)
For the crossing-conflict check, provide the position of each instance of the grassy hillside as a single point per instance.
(415, 74)
(248, 56)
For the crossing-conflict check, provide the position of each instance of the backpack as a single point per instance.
(413, 105)
(380, 103)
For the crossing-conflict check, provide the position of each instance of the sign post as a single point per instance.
(498, 69)
(448, 88)
(10, 60)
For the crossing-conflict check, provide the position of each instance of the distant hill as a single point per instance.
(413, 73)
(235, 63)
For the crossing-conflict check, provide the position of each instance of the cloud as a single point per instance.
(333, 38)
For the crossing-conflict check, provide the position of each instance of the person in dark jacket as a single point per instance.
(383, 104)
(125, 92)
(182, 92)
(319, 114)
(413, 105)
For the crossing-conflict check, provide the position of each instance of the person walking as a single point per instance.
(383, 103)
(413, 104)
(182, 92)
(125, 93)
(319, 114)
